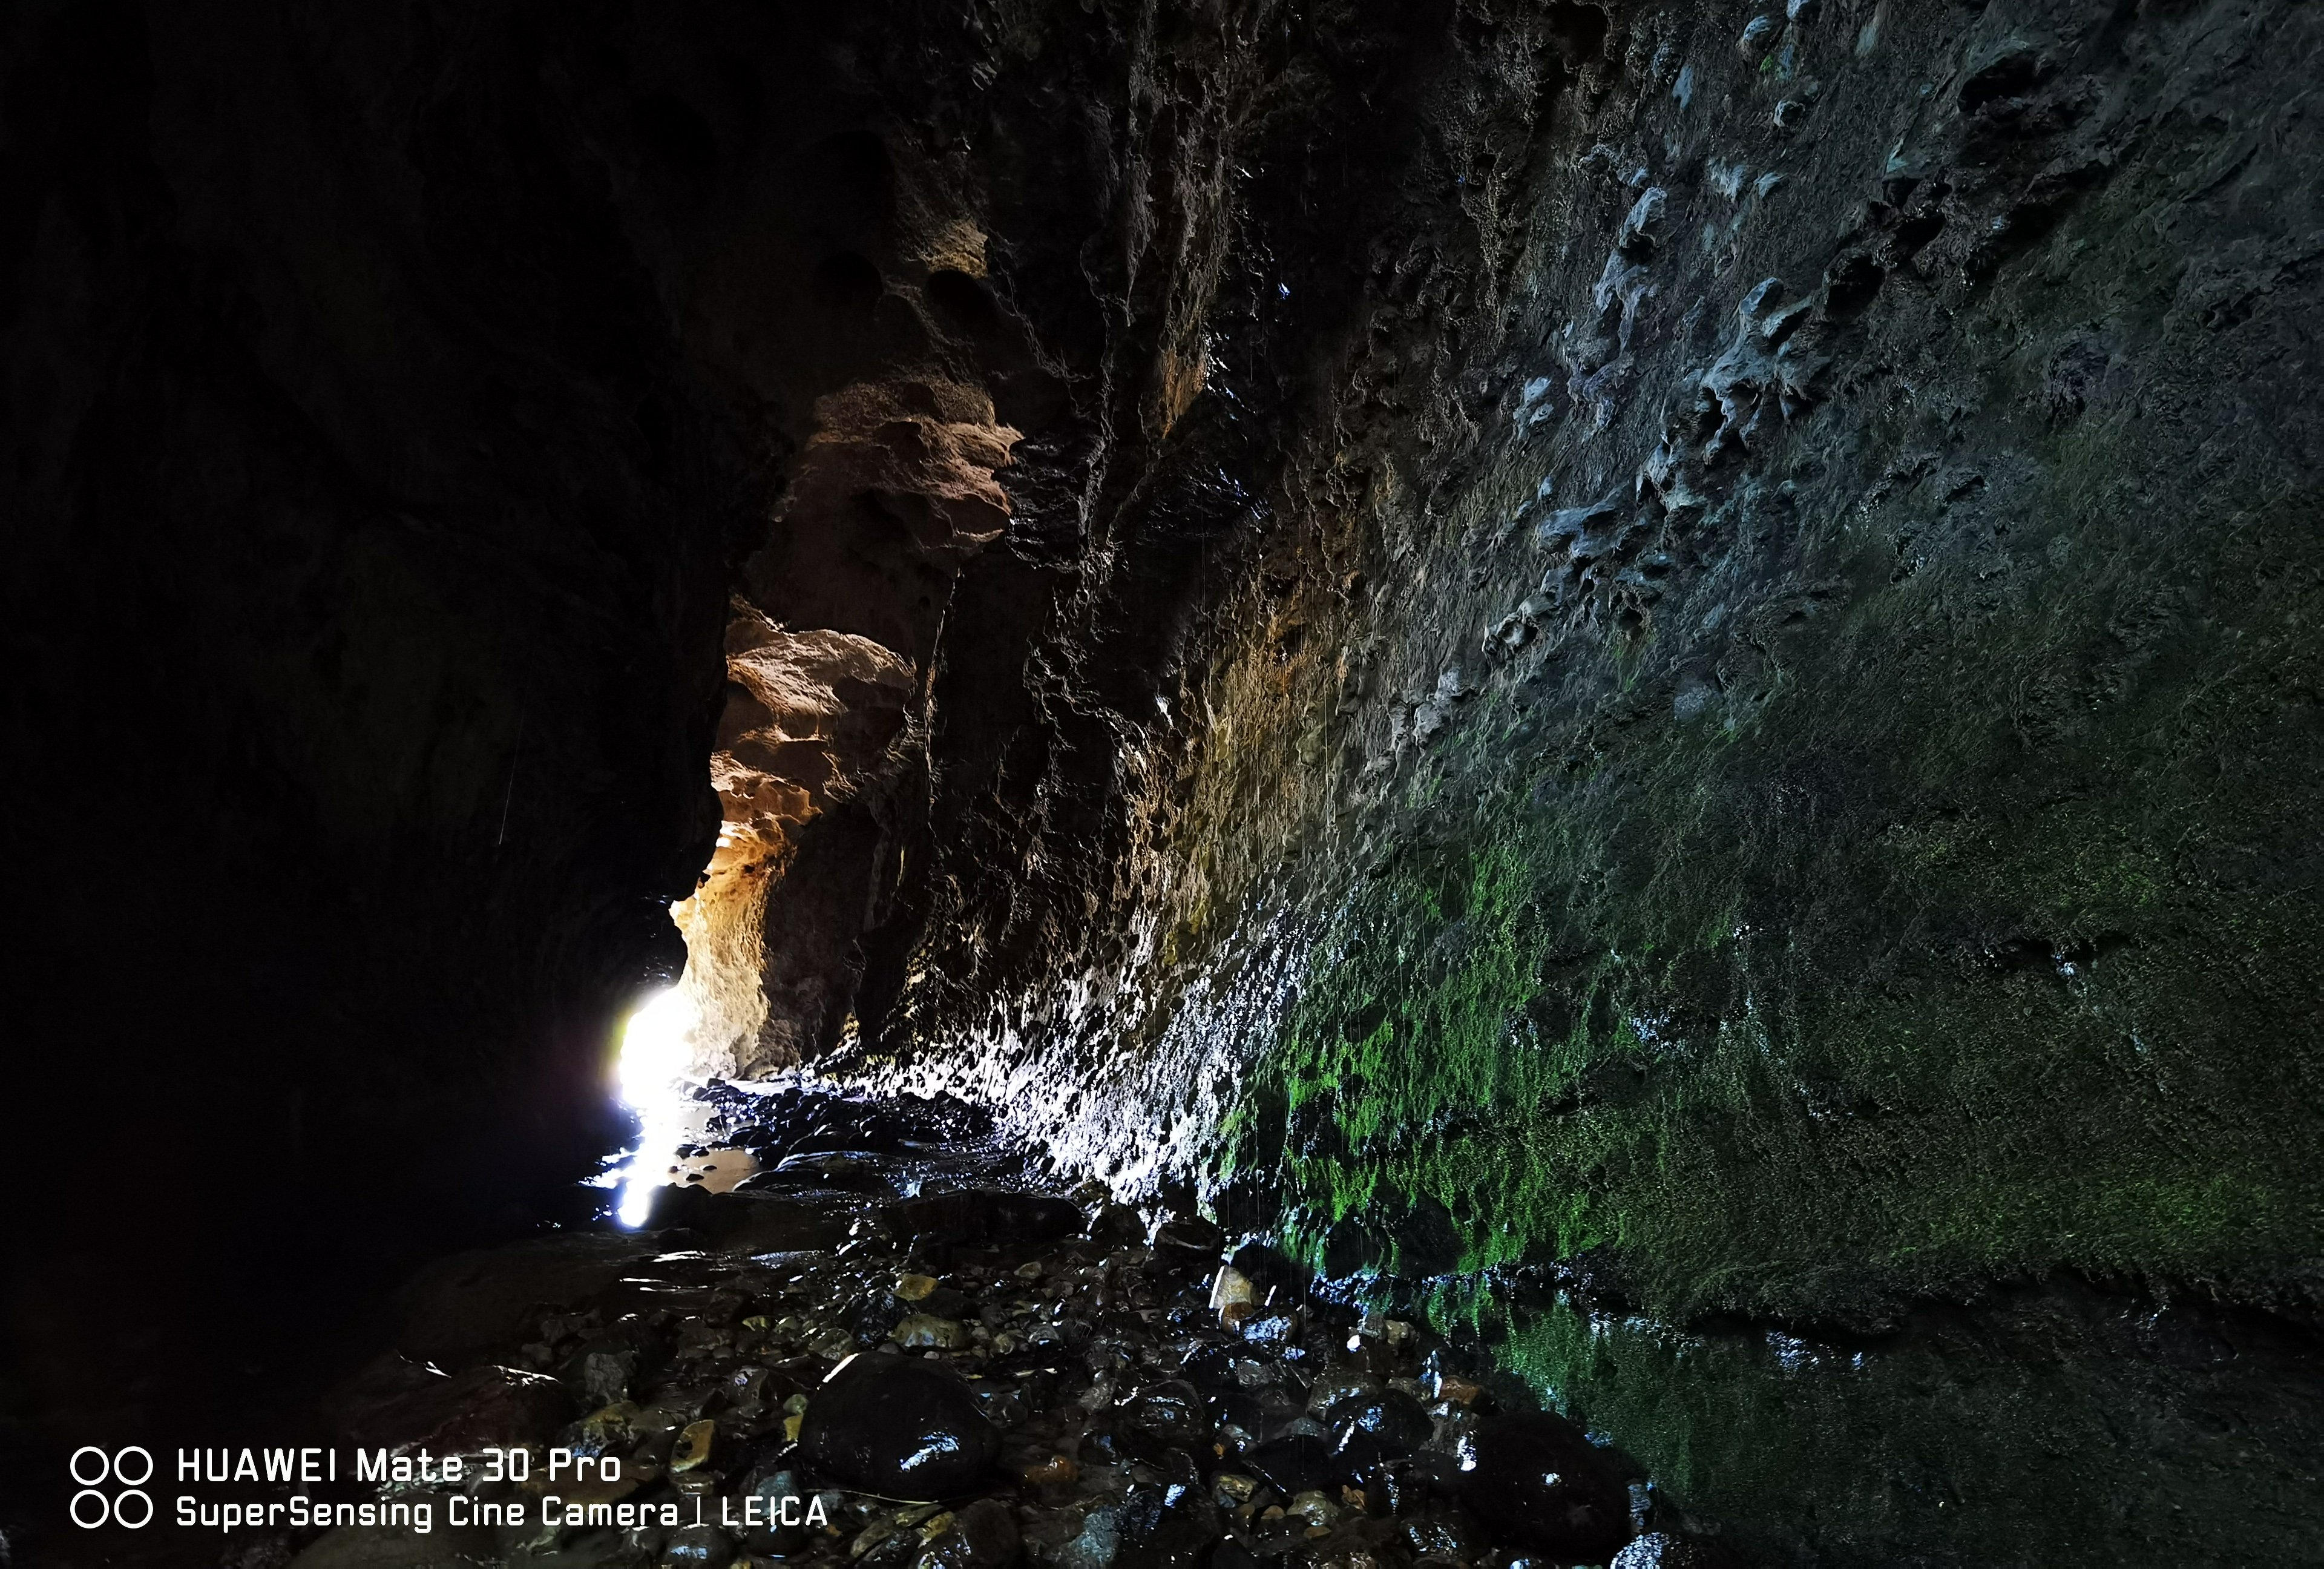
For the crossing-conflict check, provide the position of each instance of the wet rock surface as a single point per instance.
(888, 1385)
(1536, 1479)
(900, 1426)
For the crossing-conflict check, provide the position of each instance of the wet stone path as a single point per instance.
(890, 1347)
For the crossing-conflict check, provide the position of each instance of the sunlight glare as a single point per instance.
(651, 1075)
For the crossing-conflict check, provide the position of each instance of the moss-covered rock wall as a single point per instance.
(1749, 824)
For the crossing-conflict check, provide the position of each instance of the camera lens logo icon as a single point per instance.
(130, 1468)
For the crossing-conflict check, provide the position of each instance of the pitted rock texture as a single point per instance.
(1755, 761)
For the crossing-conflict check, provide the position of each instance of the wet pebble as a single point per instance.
(981, 1536)
(704, 1547)
(1664, 1550)
(925, 1332)
(1167, 1521)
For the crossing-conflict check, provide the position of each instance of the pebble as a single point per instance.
(1662, 1550)
(982, 1535)
(1095, 1546)
(1168, 1521)
(1315, 1509)
(693, 1447)
(703, 1546)
(922, 1331)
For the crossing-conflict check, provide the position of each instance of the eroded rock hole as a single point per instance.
(848, 284)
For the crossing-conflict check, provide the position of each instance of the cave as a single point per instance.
(1217, 784)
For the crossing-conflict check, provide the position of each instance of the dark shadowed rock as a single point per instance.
(846, 1170)
(900, 1426)
(1296, 1464)
(978, 1216)
(982, 1535)
(1188, 1238)
(1378, 1426)
(396, 1402)
(747, 1221)
(1162, 1418)
(1269, 1269)
(1168, 1521)
(873, 1316)
(1535, 1480)
(1118, 1225)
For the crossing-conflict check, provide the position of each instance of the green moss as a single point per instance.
(1968, 941)
(1757, 1009)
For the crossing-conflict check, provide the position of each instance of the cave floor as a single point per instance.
(914, 1352)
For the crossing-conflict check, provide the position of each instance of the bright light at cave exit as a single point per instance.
(651, 1074)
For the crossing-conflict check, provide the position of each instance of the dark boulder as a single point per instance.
(1168, 1521)
(1189, 1238)
(1118, 1225)
(843, 1171)
(900, 1426)
(1535, 1480)
(1271, 1269)
(1296, 1464)
(1161, 1417)
(1377, 1425)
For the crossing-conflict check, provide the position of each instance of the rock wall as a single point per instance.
(1753, 762)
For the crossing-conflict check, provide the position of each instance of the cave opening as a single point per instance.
(1214, 784)
(652, 1071)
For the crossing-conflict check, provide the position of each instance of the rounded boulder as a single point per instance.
(900, 1426)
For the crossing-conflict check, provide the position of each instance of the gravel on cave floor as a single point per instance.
(906, 1355)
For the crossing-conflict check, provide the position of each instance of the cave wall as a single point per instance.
(1738, 818)
(494, 491)
(1646, 674)
(438, 435)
